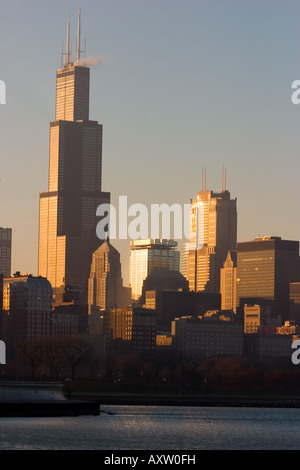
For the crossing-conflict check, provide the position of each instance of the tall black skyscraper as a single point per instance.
(67, 226)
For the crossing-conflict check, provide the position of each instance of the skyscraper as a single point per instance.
(265, 268)
(228, 282)
(105, 288)
(5, 251)
(147, 255)
(67, 225)
(213, 232)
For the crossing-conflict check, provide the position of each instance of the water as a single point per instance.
(158, 428)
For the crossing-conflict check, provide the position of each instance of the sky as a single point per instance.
(184, 86)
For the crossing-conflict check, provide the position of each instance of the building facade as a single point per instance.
(198, 337)
(148, 255)
(143, 330)
(27, 306)
(265, 269)
(67, 222)
(105, 287)
(213, 232)
(228, 282)
(5, 251)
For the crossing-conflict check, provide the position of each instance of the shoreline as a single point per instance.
(156, 400)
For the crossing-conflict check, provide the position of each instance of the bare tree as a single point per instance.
(76, 351)
(31, 351)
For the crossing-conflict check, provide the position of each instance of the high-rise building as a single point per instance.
(148, 255)
(27, 303)
(265, 268)
(67, 225)
(105, 287)
(5, 251)
(228, 282)
(213, 232)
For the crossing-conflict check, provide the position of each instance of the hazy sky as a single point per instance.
(184, 85)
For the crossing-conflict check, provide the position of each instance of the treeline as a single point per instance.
(161, 371)
(51, 358)
(236, 374)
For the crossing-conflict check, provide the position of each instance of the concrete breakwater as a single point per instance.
(225, 401)
(21, 398)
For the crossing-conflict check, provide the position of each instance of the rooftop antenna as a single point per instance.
(224, 178)
(78, 38)
(61, 55)
(204, 180)
(67, 54)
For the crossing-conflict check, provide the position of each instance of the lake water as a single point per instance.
(158, 428)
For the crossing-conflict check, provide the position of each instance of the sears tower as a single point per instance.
(67, 222)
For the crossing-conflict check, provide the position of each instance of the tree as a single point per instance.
(31, 351)
(76, 351)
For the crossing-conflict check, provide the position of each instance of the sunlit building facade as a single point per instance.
(228, 282)
(67, 225)
(213, 232)
(148, 255)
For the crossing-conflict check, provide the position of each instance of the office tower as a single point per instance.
(228, 282)
(5, 251)
(67, 226)
(213, 232)
(105, 286)
(265, 268)
(147, 255)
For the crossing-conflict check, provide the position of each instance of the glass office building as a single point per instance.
(265, 268)
(148, 255)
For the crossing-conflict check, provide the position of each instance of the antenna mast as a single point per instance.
(224, 178)
(67, 55)
(78, 38)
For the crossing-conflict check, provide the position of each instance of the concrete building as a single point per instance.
(5, 251)
(148, 255)
(258, 318)
(265, 268)
(67, 222)
(215, 335)
(213, 232)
